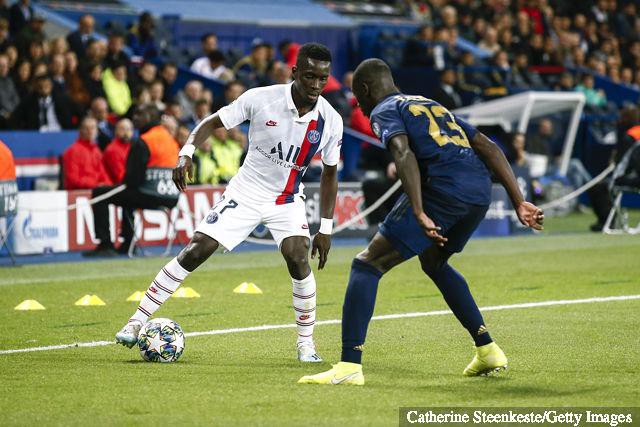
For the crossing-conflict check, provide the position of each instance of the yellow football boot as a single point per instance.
(342, 373)
(489, 358)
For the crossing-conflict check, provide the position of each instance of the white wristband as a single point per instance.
(326, 225)
(187, 150)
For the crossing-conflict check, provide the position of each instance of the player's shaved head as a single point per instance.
(371, 70)
(372, 82)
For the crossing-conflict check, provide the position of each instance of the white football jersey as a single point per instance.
(281, 144)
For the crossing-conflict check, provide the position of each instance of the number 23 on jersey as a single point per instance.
(437, 116)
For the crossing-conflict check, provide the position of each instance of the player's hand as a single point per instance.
(321, 245)
(530, 215)
(182, 172)
(431, 229)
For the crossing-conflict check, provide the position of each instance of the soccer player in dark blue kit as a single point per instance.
(444, 165)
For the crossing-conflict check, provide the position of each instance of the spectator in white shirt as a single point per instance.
(209, 43)
(214, 68)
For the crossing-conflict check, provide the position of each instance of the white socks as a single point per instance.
(304, 306)
(171, 276)
(163, 286)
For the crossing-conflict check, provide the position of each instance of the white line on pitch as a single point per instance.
(337, 321)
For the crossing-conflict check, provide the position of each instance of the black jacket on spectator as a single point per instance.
(119, 58)
(94, 88)
(9, 98)
(26, 114)
(76, 43)
(4, 12)
(522, 78)
(105, 134)
(416, 54)
(17, 20)
(448, 97)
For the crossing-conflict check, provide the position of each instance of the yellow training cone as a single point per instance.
(29, 304)
(247, 288)
(186, 293)
(90, 300)
(136, 296)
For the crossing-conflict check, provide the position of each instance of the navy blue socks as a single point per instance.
(456, 293)
(357, 310)
(360, 301)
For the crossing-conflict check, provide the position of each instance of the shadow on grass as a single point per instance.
(211, 313)
(527, 288)
(78, 325)
(504, 387)
(423, 296)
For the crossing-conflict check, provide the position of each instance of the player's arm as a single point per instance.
(199, 134)
(493, 157)
(409, 173)
(328, 193)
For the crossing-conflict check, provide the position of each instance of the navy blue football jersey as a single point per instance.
(440, 142)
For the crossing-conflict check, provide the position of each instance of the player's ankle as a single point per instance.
(138, 318)
(351, 355)
(304, 341)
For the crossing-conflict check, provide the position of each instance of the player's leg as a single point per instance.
(455, 290)
(228, 223)
(360, 298)
(366, 270)
(399, 239)
(166, 282)
(295, 250)
(289, 228)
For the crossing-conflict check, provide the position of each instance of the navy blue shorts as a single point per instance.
(458, 221)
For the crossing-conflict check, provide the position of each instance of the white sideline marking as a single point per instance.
(337, 321)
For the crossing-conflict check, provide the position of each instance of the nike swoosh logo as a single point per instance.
(336, 380)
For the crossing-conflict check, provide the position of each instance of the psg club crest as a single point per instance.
(313, 136)
(211, 218)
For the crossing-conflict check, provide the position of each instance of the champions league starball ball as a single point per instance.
(161, 340)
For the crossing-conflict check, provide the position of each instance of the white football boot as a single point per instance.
(307, 352)
(128, 335)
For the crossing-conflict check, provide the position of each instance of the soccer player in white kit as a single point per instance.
(289, 124)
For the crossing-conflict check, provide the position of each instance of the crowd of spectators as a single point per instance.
(532, 44)
(95, 83)
(54, 84)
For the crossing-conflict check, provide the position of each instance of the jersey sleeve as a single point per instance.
(469, 130)
(331, 151)
(386, 124)
(238, 111)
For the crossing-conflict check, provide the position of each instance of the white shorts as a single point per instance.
(233, 219)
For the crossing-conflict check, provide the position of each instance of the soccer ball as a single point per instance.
(161, 340)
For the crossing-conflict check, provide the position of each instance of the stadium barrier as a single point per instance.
(66, 223)
(62, 221)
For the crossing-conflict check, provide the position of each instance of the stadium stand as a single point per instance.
(61, 60)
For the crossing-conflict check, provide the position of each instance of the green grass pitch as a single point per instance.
(562, 355)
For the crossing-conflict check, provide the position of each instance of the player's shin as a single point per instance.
(163, 286)
(304, 306)
(357, 310)
(456, 293)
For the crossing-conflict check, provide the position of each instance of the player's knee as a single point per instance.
(295, 253)
(297, 259)
(199, 249)
(431, 265)
(369, 257)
